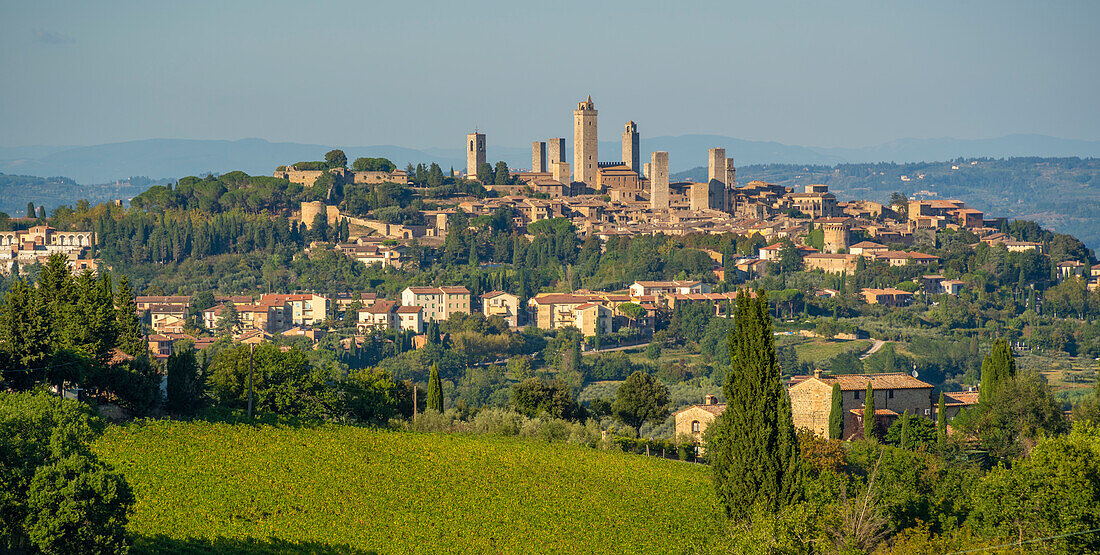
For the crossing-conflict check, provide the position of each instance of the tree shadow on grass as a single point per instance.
(161, 543)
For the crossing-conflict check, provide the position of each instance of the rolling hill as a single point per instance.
(204, 487)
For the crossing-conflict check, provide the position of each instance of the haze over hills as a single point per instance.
(174, 158)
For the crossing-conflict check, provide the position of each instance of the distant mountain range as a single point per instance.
(174, 158)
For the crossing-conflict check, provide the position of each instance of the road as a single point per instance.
(874, 349)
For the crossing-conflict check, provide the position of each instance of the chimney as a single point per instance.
(710, 400)
(817, 373)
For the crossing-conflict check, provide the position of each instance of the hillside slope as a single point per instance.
(203, 486)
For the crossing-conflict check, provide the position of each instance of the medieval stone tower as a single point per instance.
(836, 236)
(585, 155)
(556, 150)
(538, 156)
(658, 181)
(475, 153)
(631, 156)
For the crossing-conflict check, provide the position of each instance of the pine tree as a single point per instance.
(997, 368)
(836, 414)
(30, 209)
(941, 420)
(752, 445)
(126, 320)
(869, 413)
(435, 390)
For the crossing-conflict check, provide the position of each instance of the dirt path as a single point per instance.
(874, 349)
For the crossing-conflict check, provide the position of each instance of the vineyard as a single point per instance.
(205, 487)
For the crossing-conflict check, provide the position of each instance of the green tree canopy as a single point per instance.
(752, 445)
(641, 398)
(336, 159)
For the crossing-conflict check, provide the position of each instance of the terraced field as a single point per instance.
(205, 487)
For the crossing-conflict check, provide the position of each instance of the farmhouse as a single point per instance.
(895, 393)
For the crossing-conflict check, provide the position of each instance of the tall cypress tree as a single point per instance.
(997, 368)
(869, 413)
(941, 420)
(836, 414)
(435, 390)
(752, 445)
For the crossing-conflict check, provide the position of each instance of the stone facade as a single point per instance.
(896, 393)
(585, 147)
(836, 236)
(631, 155)
(475, 153)
(693, 421)
(658, 181)
(538, 157)
(310, 211)
(555, 149)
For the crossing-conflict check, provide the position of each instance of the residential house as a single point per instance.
(662, 288)
(439, 303)
(410, 318)
(500, 303)
(888, 297)
(895, 394)
(693, 421)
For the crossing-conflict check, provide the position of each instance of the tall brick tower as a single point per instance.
(631, 156)
(556, 150)
(585, 155)
(475, 153)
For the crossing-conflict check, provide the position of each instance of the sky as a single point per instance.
(422, 74)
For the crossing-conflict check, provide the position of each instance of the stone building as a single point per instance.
(658, 181)
(631, 154)
(895, 394)
(585, 146)
(556, 151)
(693, 421)
(475, 153)
(831, 263)
(538, 157)
(836, 234)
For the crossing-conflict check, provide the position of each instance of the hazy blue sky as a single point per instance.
(421, 74)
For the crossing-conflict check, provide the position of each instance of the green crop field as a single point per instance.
(205, 487)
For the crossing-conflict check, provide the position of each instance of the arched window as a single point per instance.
(694, 426)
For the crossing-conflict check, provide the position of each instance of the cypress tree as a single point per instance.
(435, 390)
(941, 420)
(836, 414)
(869, 413)
(752, 445)
(997, 368)
(904, 443)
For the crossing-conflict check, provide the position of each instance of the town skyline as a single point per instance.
(817, 84)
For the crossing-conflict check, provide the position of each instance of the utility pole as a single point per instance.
(251, 349)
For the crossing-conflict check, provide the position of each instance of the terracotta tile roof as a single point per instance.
(960, 398)
(858, 382)
(409, 309)
(713, 409)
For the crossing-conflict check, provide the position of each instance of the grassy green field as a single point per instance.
(817, 352)
(204, 487)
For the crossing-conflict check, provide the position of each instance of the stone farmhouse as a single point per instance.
(895, 394)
